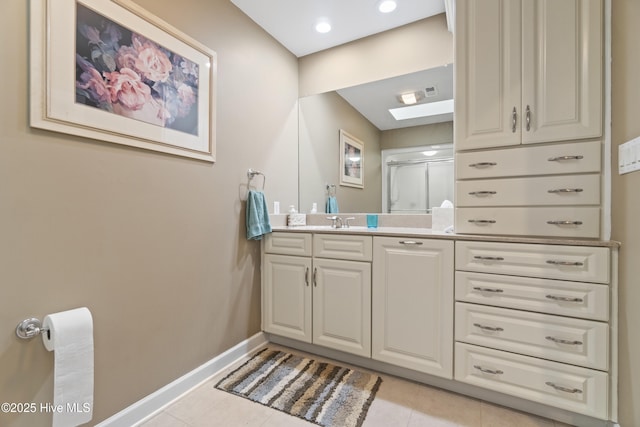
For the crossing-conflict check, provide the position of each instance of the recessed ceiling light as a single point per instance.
(430, 153)
(323, 26)
(386, 6)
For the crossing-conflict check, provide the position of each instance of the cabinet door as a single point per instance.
(487, 74)
(286, 299)
(412, 317)
(342, 305)
(562, 69)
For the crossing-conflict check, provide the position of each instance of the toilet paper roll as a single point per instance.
(70, 337)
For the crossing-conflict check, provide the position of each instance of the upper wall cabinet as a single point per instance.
(527, 71)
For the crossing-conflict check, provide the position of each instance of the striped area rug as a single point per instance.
(325, 394)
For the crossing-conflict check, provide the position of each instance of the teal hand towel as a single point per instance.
(257, 215)
(332, 205)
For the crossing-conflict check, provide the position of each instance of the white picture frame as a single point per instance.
(74, 60)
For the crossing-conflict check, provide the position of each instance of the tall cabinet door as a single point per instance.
(487, 74)
(286, 300)
(562, 69)
(412, 304)
(342, 305)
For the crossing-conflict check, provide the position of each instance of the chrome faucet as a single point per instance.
(339, 222)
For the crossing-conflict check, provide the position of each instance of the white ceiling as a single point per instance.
(373, 100)
(292, 22)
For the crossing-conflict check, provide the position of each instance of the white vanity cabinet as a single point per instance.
(527, 71)
(322, 294)
(413, 304)
(529, 116)
(533, 321)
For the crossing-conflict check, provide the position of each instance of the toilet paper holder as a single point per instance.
(30, 328)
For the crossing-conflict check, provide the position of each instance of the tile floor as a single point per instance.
(398, 403)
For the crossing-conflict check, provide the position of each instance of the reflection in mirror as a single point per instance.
(363, 111)
(417, 179)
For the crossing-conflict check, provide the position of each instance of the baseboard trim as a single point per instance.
(156, 401)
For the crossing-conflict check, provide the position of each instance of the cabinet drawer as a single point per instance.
(562, 339)
(343, 246)
(288, 243)
(575, 299)
(575, 389)
(580, 222)
(555, 190)
(578, 263)
(577, 157)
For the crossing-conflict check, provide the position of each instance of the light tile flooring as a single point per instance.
(398, 403)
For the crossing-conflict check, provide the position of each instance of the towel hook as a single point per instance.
(331, 189)
(251, 173)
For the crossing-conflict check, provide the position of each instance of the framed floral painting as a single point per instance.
(351, 160)
(109, 70)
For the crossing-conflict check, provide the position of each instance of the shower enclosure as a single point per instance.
(418, 179)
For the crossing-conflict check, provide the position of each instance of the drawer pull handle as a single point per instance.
(306, 276)
(565, 389)
(561, 341)
(315, 277)
(410, 242)
(482, 221)
(564, 299)
(494, 290)
(565, 263)
(488, 258)
(566, 190)
(488, 371)
(528, 118)
(564, 222)
(514, 120)
(481, 193)
(559, 158)
(488, 328)
(482, 164)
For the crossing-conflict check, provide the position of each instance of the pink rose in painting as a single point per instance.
(186, 95)
(126, 57)
(153, 63)
(127, 88)
(93, 82)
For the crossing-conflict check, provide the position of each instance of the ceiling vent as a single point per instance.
(431, 91)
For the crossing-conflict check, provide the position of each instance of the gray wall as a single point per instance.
(626, 200)
(153, 244)
(321, 118)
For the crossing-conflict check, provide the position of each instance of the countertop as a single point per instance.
(432, 234)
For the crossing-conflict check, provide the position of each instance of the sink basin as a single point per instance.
(329, 228)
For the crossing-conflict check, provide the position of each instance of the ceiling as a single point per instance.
(292, 22)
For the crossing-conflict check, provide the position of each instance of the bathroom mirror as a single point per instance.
(364, 112)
